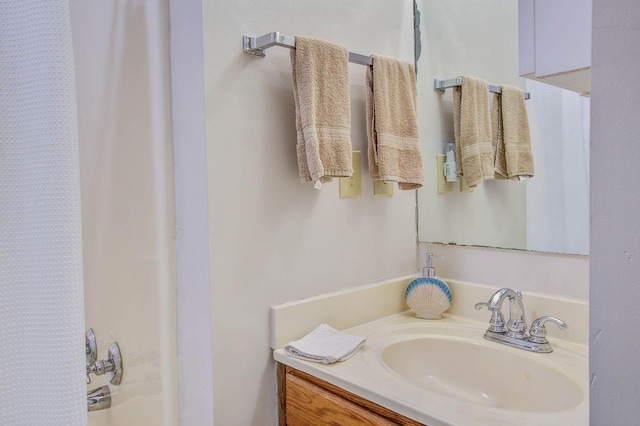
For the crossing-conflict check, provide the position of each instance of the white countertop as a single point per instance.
(367, 376)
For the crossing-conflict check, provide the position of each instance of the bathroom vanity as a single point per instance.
(439, 373)
(305, 400)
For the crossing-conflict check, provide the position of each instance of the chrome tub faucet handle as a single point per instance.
(112, 366)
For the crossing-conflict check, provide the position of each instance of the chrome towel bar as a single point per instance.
(455, 82)
(257, 46)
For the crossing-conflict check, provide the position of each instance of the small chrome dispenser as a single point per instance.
(100, 398)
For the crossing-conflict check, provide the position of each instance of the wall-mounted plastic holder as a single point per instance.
(382, 188)
(351, 187)
(443, 185)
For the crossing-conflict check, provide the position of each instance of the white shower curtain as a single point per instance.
(558, 195)
(42, 358)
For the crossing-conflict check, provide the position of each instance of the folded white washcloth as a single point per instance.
(326, 345)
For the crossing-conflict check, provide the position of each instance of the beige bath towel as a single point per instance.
(513, 156)
(392, 125)
(472, 131)
(500, 161)
(323, 113)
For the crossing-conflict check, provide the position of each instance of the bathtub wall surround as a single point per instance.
(126, 171)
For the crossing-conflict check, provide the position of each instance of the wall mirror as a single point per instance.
(548, 213)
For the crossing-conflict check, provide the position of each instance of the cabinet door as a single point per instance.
(311, 405)
(526, 36)
(555, 42)
(562, 36)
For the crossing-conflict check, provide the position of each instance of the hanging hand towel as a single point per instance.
(472, 131)
(500, 161)
(513, 156)
(392, 125)
(326, 345)
(323, 112)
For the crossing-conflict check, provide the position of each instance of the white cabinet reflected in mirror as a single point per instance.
(549, 212)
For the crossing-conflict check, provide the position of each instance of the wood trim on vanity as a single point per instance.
(311, 405)
(282, 393)
(305, 400)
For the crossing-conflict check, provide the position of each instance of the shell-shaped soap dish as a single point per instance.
(428, 297)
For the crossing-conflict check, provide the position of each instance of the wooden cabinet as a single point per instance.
(305, 400)
(555, 42)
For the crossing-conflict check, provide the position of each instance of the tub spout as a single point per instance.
(99, 399)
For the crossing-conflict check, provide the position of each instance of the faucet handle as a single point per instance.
(91, 348)
(481, 305)
(113, 366)
(496, 323)
(538, 332)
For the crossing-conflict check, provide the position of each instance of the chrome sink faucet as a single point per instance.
(516, 326)
(515, 332)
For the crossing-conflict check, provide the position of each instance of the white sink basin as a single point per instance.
(473, 372)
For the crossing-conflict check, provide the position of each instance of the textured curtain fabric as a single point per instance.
(42, 358)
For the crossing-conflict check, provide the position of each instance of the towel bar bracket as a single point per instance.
(442, 85)
(257, 45)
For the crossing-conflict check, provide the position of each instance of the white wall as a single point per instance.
(615, 213)
(121, 55)
(479, 39)
(273, 239)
